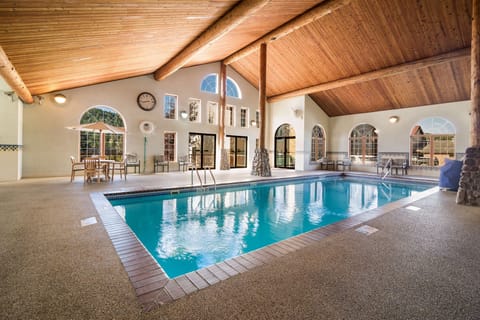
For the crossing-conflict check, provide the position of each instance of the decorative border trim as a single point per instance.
(10, 147)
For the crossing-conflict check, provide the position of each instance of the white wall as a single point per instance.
(396, 137)
(283, 112)
(48, 144)
(314, 116)
(11, 121)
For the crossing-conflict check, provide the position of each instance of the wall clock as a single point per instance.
(146, 101)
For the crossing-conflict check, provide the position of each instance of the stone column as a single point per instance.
(469, 186)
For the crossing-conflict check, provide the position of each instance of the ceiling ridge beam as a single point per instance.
(13, 79)
(308, 17)
(233, 18)
(377, 74)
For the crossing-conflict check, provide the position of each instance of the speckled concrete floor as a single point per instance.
(419, 265)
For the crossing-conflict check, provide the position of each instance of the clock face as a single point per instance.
(146, 101)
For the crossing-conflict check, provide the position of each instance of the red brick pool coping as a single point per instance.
(152, 285)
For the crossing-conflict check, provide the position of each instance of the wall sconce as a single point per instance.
(40, 99)
(253, 123)
(60, 98)
(183, 114)
(394, 119)
(11, 94)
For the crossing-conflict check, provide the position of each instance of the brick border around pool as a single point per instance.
(152, 285)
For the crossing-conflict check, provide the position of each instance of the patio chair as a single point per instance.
(76, 167)
(132, 162)
(121, 167)
(93, 169)
(159, 161)
(327, 163)
(183, 163)
(345, 163)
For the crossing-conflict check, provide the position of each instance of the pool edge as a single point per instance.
(152, 285)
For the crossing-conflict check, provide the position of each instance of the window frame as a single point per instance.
(363, 143)
(244, 117)
(318, 144)
(230, 121)
(169, 148)
(427, 136)
(166, 112)
(191, 102)
(212, 107)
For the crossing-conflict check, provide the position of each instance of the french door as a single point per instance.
(285, 152)
(202, 150)
(238, 151)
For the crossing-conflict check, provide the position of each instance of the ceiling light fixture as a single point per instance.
(394, 119)
(60, 98)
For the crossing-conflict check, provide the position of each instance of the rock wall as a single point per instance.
(469, 187)
(261, 164)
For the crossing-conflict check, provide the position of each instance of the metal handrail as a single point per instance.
(194, 168)
(213, 178)
(388, 165)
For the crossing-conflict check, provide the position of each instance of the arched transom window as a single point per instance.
(432, 140)
(363, 144)
(318, 143)
(210, 84)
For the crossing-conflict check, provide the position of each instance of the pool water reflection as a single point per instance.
(189, 231)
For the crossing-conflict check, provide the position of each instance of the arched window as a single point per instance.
(210, 84)
(363, 144)
(106, 138)
(285, 147)
(432, 140)
(233, 90)
(318, 143)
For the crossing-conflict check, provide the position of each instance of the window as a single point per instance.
(432, 140)
(96, 142)
(230, 116)
(169, 146)
(243, 117)
(194, 110)
(212, 108)
(363, 144)
(257, 118)
(233, 90)
(318, 143)
(210, 84)
(170, 106)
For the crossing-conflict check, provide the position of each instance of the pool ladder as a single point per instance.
(202, 183)
(388, 166)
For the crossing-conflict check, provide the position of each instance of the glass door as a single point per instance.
(238, 151)
(285, 152)
(202, 150)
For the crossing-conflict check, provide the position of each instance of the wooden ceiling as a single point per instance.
(61, 44)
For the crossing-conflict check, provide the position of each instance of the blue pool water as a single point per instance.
(189, 231)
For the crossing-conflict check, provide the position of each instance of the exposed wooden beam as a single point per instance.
(13, 79)
(223, 103)
(311, 15)
(262, 85)
(377, 74)
(241, 12)
(475, 77)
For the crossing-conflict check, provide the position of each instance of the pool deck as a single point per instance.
(420, 264)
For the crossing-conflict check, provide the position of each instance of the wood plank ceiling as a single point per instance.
(59, 44)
